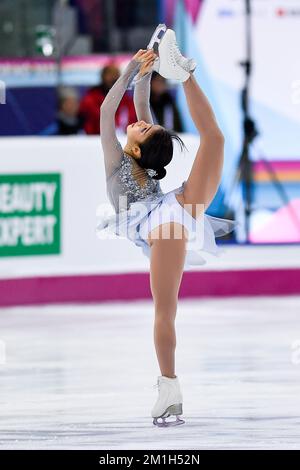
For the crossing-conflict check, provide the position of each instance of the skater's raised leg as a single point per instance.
(205, 175)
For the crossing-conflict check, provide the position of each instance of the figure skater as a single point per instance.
(142, 211)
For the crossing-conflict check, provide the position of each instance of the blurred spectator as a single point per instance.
(67, 120)
(91, 16)
(163, 104)
(91, 102)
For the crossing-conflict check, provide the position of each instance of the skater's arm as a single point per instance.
(142, 88)
(142, 99)
(112, 148)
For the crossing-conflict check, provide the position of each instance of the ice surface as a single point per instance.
(81, 377)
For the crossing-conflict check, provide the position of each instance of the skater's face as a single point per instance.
(140, 131)
(70, 106)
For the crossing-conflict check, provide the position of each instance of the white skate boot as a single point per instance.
(169, 402)
(171, 64)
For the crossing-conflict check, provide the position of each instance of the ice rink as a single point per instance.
(81, 377)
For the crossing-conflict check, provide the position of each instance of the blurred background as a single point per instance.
(58, 60)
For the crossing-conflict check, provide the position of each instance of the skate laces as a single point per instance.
(178, 56)
(184, 62)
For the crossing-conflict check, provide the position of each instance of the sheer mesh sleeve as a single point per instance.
(142, 98)
(112, 148)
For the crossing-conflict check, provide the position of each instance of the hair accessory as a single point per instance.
(151, 172)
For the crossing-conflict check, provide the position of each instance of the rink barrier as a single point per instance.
(135, 286)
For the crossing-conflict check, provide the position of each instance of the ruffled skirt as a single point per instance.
(146, 214)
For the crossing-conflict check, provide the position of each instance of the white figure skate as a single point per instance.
(189, 65)
(171, 64)
(175, 66)
(169, 402)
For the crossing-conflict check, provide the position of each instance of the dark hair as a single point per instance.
(157, 151)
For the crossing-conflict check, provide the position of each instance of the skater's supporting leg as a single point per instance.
(166, 267)
(205, 175)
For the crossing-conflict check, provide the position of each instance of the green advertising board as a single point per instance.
(30, 213)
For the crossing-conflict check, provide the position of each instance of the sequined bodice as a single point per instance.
(123, 183)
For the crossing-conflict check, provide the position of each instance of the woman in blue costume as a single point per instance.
(171, 228)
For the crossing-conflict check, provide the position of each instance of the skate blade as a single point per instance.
(166, 424)
(157, 37)
(156, 48)
(173, 410)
